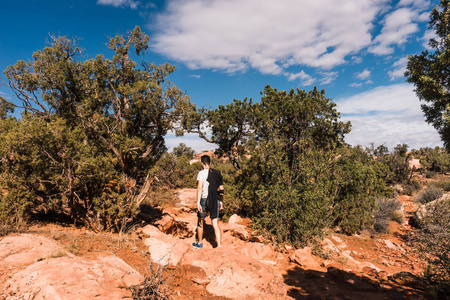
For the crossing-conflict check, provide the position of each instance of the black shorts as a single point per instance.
(213, 211)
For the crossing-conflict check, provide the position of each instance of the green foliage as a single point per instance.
(173, 170)
(395, 165)
(435, 160)
(293, 176)
(428, 71)
(89, 133)
(433, 242)
(429, 194)
(358, 183)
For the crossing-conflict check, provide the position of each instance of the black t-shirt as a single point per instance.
(215, 180)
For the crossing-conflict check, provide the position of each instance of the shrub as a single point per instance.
(429, 194)
(153, 287)
(413, 186)
(174, 170)
(387, 209)
(442, 183)
(430, 174)
(433, 242)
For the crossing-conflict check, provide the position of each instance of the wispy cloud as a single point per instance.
(306, 79)
(388, 114)
(363, 75)
(399, 69)
(354, 84)
(195, 76)
(268, 36)
(399, 25)
(120, 3)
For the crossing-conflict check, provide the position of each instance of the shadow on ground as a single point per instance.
(339, 284)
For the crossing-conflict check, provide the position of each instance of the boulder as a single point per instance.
(233, 275)
(164, 249)
(73, 278)
(26, 249)
(304, 258)
(235, 219)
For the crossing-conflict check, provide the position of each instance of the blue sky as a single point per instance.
(230, 49)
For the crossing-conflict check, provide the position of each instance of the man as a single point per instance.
(209, 199)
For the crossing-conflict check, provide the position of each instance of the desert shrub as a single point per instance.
(396, 164)
(387, 209)
(412, 187)
(442, 183)
(288, 203)
(359, 183)
(429, 194)
(153, 287)
(435, 160)
(174, 170)
(433, 242)
(430, 174)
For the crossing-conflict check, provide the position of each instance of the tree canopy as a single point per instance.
(90, 130)
(430, 72)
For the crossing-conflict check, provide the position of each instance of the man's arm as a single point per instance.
(221, 192)
(199, 195)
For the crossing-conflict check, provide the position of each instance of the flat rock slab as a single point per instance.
(26, 249)
(232, 275)
(73, 278)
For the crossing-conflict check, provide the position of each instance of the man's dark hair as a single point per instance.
(205, 159)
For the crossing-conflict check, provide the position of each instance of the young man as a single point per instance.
(209, 199)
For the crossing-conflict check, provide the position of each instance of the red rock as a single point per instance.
(73, 278)
(236, 276)
(26, 249)
(304, 258)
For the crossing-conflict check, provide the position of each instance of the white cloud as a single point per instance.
(119, 3)
(195, 76)
(427, 36)
(390, 115)
(189, 139)
(398, 27)
(354, 84)
(328, 77)
(265, 35)
(363, 75)
(356, 59)
(305, 78)
(399, 69)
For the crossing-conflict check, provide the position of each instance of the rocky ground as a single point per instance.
(49, 261)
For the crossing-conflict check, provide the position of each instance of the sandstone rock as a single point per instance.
(165, 224)
(73, 278)
(304, 258)
(26, 249)
(235, 219)
(239, 231)
(187, 198)
(150, 231)
(234, 276)
(166, 250)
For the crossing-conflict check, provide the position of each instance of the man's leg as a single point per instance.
(217, 232)
(200, 223)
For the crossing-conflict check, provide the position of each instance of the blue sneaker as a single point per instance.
(197, 245)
